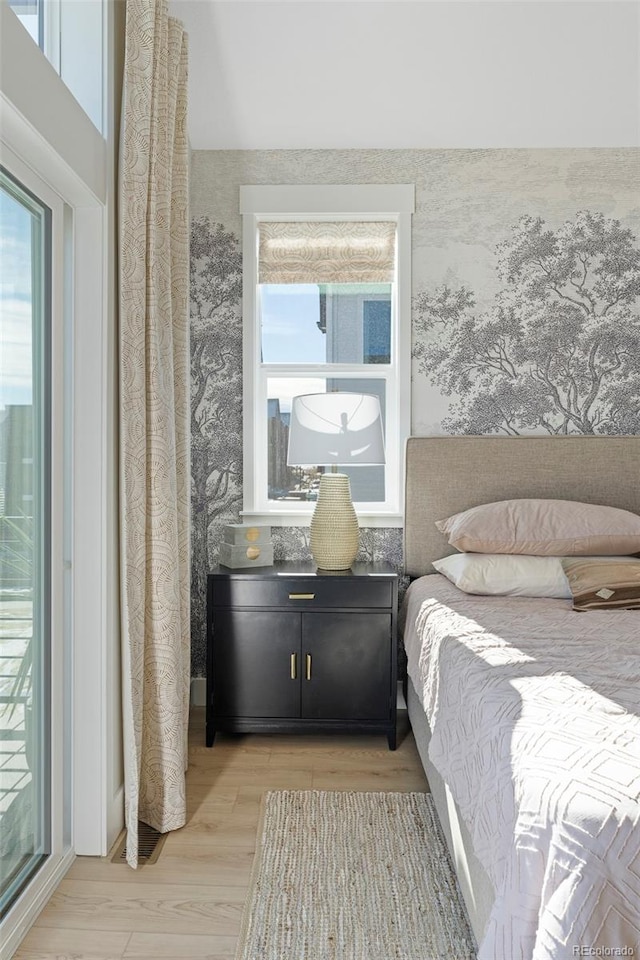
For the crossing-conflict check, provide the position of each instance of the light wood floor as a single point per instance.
(188, 905)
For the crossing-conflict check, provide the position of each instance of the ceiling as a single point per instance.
(329, 74)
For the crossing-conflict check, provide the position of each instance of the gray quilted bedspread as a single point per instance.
(535, 713)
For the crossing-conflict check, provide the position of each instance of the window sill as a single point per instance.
(299, 519)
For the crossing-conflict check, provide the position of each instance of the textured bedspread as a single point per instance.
(535, 713)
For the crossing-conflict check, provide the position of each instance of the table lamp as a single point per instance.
(335, 428)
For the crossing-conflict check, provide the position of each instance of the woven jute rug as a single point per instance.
(352, 876)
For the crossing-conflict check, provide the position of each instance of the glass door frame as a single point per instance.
(33, 686)
(61, 855)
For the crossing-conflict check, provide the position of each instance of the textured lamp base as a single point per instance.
(334, 525)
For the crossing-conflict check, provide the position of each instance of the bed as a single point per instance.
(527, 723)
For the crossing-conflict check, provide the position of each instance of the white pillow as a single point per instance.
(507, 575)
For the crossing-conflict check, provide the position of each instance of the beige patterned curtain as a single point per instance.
(319, 252)
(154, 421)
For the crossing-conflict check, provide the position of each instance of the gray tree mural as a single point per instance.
(558, 350)
(216, 400)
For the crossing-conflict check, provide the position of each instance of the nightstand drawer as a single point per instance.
(304, 593)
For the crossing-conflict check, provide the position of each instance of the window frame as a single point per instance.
(69, 39)
(76, 163)
(55, 730)
(360, 202)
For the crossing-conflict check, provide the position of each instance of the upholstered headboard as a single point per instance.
(445, 475)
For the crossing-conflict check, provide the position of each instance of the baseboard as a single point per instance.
(199, 693)
(115, 818)
(25, 912)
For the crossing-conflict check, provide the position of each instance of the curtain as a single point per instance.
(319, 252)
(154, 419)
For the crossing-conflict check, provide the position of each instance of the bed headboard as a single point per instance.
(445, 475)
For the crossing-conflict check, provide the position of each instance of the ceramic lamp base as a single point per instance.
(334, 525)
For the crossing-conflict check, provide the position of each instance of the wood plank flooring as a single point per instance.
(188, 905)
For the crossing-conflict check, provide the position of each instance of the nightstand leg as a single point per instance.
(391, 737)
(211, 734)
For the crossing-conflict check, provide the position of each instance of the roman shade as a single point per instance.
(327, 252)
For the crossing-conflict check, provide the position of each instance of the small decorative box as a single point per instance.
(240, 534)
(246, 555)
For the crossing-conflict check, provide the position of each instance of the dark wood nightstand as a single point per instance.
(293, 648)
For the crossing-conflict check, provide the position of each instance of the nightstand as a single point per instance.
(291, 648)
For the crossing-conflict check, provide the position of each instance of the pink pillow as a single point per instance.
(544, 528)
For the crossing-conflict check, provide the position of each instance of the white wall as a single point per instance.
(396, 74)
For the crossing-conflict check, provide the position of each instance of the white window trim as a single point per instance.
(60, 857)
(340, 202)
(44, 131)
(83, 558)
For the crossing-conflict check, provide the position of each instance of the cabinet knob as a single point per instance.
(308, 666)
(302, 596)
(294, 666)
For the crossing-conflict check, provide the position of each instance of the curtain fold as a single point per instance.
(154, 419)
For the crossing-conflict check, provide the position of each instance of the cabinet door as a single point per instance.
(350, 666)
(252, 665)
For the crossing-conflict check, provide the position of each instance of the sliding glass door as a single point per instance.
(25, 537)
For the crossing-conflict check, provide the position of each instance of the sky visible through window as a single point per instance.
(290, 334)
(15, 303)
(28, 13)
(290, 316)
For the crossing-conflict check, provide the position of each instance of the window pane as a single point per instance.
(81, 43)
(30, 15)
(326, 323)
(300, 484)
(24, 634)
(70, 35)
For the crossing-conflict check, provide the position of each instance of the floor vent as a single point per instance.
(150, 843)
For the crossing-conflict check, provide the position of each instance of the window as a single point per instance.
(30, 13)
(326, 308)
(25, 508)
(65, 738)
(71, 37)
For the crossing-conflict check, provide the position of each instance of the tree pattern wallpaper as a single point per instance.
(216, 407)
(557, 351)
(525, 310)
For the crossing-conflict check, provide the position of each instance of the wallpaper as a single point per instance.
(525, 313)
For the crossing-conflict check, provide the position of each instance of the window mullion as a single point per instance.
(359, 371)
(51, 31)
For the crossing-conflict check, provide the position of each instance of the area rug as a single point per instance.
(352, 876)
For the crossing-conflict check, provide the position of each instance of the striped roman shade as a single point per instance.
(327, 252)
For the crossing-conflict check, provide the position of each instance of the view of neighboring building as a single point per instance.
(281, 476)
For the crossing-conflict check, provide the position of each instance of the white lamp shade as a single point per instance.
(344, 428)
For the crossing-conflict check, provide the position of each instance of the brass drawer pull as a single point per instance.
(294, 666)
(302, 596)
(308, 666)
